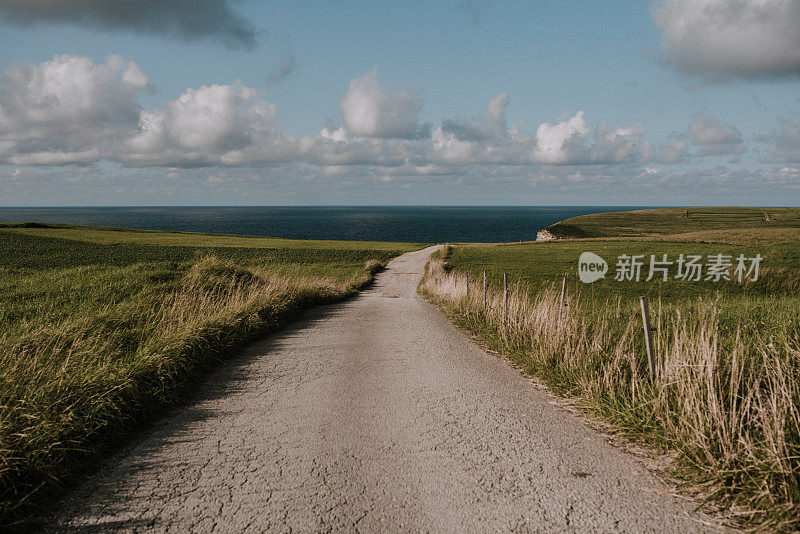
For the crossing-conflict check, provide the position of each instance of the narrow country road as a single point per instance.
(373, 415)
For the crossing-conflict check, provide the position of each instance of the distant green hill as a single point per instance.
(714, 225)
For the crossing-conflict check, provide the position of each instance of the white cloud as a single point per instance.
(54, 157)
(68, 105)
(480, 140)
(491, 125)
(566, 143)
(674, 152)
(715, 138)
(785, 147)
(496, 110)
(203, 126)
(93, 115)
(562, 141)
(620, 144)
(722, 39)
(369, 110)
(335, 134)
(449, 148)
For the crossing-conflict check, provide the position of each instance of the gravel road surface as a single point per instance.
(373, 415)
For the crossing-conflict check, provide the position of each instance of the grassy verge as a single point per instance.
(725, 399)
(101, 329)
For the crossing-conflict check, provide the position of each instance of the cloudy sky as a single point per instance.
(470, 102)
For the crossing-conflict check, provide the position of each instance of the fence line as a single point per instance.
(563, 306)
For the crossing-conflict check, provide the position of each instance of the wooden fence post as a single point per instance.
(466, 278)
(484, 289)
(505, 294)
(648, 338)
(562, 301)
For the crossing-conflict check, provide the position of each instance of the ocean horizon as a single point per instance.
(424, 224)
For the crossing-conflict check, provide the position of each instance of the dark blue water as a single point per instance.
(416, 224)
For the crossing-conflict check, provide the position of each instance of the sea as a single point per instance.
(376, 223)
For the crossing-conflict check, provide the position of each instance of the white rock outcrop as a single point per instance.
(545, 235)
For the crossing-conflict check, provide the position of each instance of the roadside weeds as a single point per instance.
(726, 407)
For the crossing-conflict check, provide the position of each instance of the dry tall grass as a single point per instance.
(69, 388)
(729, 405)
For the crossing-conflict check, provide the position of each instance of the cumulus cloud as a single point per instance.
(715, 138)
(491, 124)
(567, 142)
(484, 139)
(369, 110)
(69, 109)
(54, 157)
(496, 110)
(563, 141)
(723, 39)
(785, 143)
(674, 152)
(205, 125)
(614, 144)
(184, 19)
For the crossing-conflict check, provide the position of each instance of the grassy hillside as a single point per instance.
(725, 225)
(102, 328)
(726, 395)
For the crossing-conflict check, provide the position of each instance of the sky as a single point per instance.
(459, 102)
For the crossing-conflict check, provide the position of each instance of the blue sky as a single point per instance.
(278, 103)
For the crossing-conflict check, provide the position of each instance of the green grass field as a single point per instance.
(59, 246)
(772, 301)
(726, 398)
(100, 329)
(714, 225)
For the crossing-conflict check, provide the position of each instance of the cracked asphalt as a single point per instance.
(373, 415)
